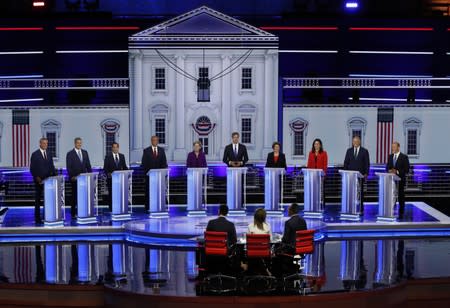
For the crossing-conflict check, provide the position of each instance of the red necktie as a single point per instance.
(154, 152)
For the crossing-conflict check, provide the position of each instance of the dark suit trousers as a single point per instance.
(39, 194)
(401, 197)
(361, 193)
(73, 206)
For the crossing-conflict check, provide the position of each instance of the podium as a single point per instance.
(234, 190)
(196, 184)
(54, 201)
(350, 264)
(158, 187)
(313, 185)
(351, 196)
(386, 263)
(121, 194)
(87, 197)
(273, 191)
(387, 196)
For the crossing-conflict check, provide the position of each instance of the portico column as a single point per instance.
(226, 128)
(270, 118)
(180, 152)
(136, 105)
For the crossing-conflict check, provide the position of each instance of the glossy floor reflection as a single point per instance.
(335, 266)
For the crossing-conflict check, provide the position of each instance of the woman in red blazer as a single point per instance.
(318, 158)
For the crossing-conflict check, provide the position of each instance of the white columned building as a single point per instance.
(240, 62)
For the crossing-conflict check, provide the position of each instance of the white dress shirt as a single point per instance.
(253, 229)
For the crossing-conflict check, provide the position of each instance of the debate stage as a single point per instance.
(420, 220)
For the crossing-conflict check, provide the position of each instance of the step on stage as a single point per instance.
(420, 220)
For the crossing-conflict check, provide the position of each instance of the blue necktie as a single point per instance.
(395, 160)
(80, 156)
(235, 151)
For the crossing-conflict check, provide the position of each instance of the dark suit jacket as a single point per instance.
(228, 154)
(291, 226)
(221, 224)
(109, 165)
(281, 163)
(40, 167)
(361, 163)
(149, 162)
(75, 166)
(402, 165)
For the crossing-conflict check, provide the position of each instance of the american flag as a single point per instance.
(23, 264)
(385, 132)
(21, 137)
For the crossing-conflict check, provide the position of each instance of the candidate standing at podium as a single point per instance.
(196, 158)
(398, 163)
(235, 154)
(357, 159)
(113, 161)
(276, 159)
(41, 167)
(77, 162)
(153, 157)
(318, 159)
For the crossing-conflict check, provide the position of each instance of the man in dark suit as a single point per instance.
(77, 161)
(292, 225)
(113, 161)
(153, 157)
(41, 167)
(357, 159)
(221, 224)
(235, 154)
(398, 163)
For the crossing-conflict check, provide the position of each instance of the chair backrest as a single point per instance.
(258, 245)
(304, 241)
(216, 243)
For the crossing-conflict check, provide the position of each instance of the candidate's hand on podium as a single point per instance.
(73, 179)
(394, 171)
(38, 180)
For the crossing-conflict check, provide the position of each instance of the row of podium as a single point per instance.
(197, 194)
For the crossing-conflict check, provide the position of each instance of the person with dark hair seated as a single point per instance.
(221, 224)
(292, 225)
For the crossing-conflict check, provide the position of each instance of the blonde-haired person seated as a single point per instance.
(259, 225)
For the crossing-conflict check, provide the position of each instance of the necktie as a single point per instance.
(45, 155)
(80, 155)
(356, 152)
(116, 159)
(235, 151)
(395, 159)
(154, 152)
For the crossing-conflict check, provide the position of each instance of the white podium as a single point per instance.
(387, 196)
(122, 181)
(273, 191)
(54, 201)
(196, 184)
(87, 197)
(313, 185)
(351, 195)
(158, 189)
(235, 177)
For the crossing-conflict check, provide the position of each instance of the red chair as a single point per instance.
(304, 242)
(218, 261)
(259, 258)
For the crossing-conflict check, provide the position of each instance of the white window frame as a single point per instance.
(153, 79)
(357, 123)
(52, 126)
(409, 124)
(305, 134)
(160, 111)
(116, 132)
(245, 111)
(197, 74)
(253, 89)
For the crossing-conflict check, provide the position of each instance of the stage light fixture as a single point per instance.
(351, 4)
(38, 3)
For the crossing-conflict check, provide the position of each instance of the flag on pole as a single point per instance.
(385, 132)
(21, 138)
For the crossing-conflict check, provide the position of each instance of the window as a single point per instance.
(246, 130)
(203, 85)
(158, 118)
(356, 127)
(51, 129)
(412, 128)
(160, 78)
(411, 142)
(205, 144)
(160, 129)
(110, 131)
(299, 129)
(51, 149)
(246, 78)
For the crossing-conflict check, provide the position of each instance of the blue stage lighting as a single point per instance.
(351, 5)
